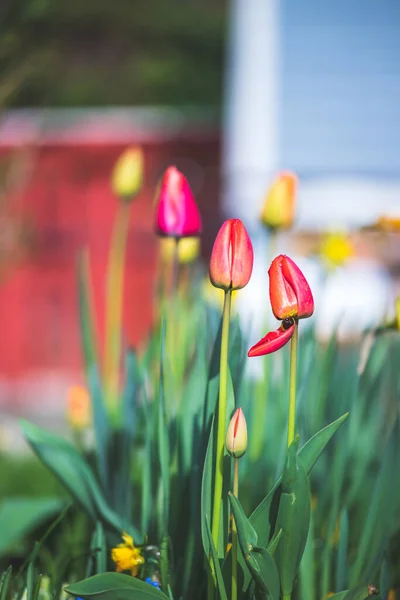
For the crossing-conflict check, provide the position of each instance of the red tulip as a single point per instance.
(289, 291)
(177, 214)
(291, 299)
(231, 261)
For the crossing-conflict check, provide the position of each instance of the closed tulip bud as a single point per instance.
(279, 206)
(231, 261)
(236, 436)
(79, 410)
(127, 176)
(177, 214)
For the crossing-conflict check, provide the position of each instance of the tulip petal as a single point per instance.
(273, 341)
(231, 260)
(282, 295)
(177, 214)
(295, 278)
(242, 255)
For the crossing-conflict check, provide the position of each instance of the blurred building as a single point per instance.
(315, 87)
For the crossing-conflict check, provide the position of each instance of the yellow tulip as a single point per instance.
(279, 206)
(127, 176)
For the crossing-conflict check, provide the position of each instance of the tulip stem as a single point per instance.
(221, 420)
(175, 268)
(114, 302)
(292, 385)
(234, 530)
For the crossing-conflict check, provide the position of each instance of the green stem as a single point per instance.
(221, 420)
(292, 388)
(286, 596)
(175, 268)
(114, 302)
(234, 530)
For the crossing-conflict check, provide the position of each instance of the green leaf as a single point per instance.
(5, 582)
(272, 546)
(98, 551)
(114, 586)
(259, 518)
(313, 449)
(65, 462)
(90, 353)
(217, 567)
(360, 592)
(206, 490)
(247, 535)
(19, 516)
(342, 560)
(32, 578)
(293, 518)
(309, 454)
(163, 438)
(264, 571)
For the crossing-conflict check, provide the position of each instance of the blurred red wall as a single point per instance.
(68, 204)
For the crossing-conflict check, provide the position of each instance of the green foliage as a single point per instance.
(112, 53)
(114, 586)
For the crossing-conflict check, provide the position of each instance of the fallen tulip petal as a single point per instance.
(273, 341)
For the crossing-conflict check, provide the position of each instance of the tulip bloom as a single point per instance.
(127, 175)
(278, 210)
(177, 214)
(236, 436)
(291, 299)
(231, 261)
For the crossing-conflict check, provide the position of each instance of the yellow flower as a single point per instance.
(188, 249)
(79, 410)
(336, 249)
(127, 175)
(279, 205)
(392, 595)
(126, 556)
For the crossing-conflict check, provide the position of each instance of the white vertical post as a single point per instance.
(250, 136)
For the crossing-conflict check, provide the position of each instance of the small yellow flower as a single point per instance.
(127, 176)
(392, 595)
(188, 249)
(336, 249)
(79, 410)
(126, 556)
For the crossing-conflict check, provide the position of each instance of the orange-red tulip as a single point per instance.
(278, 210)
(177, 214)
(231, 261)
(289, 291)
(291, 299)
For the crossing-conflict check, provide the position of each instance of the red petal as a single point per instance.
(273, 341)
(282, 296)
(299, 284)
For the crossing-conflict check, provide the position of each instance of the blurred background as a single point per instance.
(231, 92)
